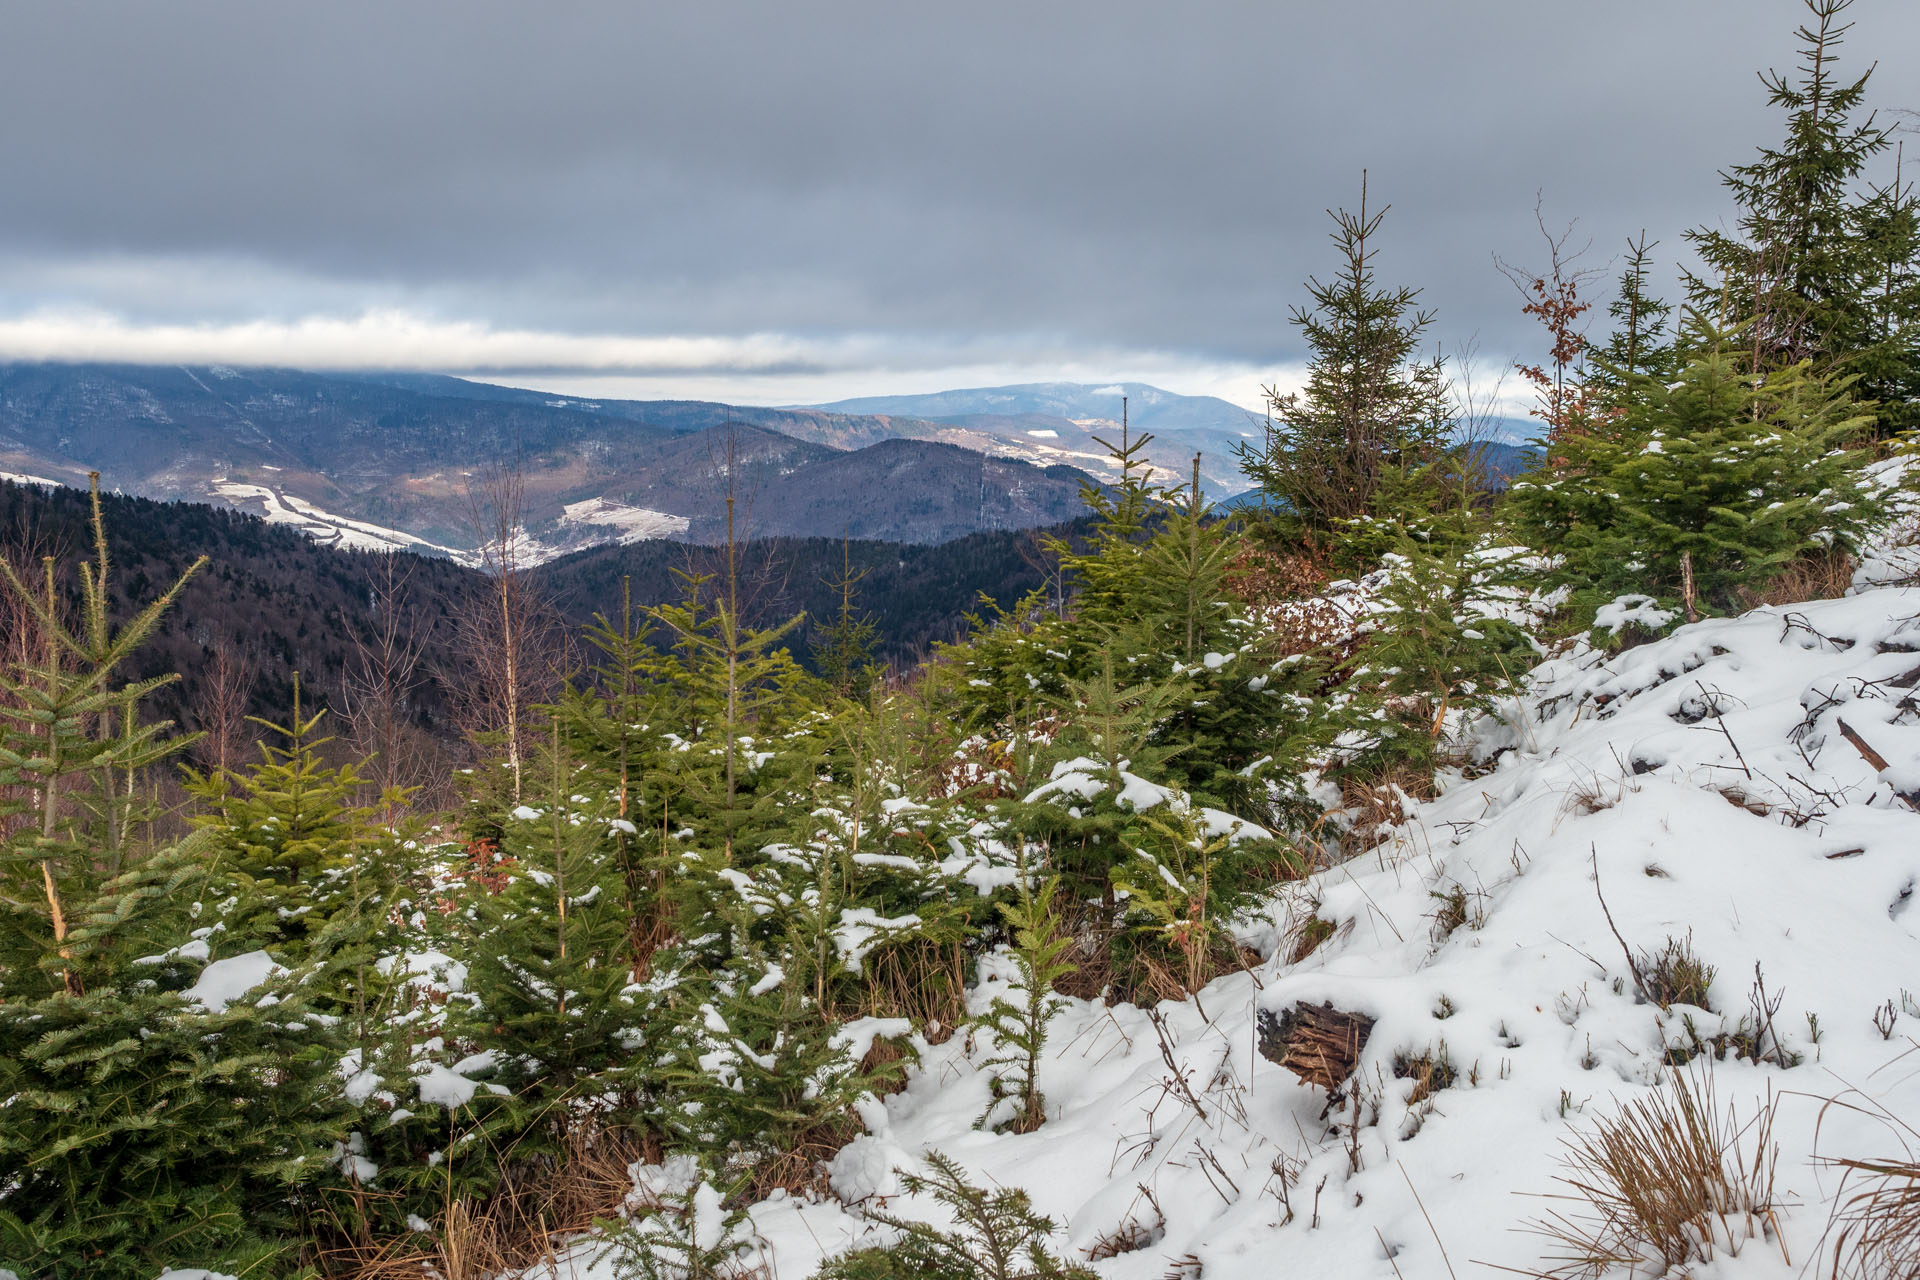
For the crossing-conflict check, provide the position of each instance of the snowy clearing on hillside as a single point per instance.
(634, 523)
(322, 526)
(1709, 789)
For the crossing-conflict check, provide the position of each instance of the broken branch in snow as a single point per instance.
(1875, 761)
(1318, 1043)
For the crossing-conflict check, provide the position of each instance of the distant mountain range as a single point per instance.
(389, 460)
(382, 460)
(1066, 422)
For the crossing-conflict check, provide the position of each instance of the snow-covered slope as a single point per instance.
(277, 506)
(1702, 785)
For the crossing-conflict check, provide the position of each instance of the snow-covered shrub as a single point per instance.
(996, 1236)
(1705, 489)
(689, 1235)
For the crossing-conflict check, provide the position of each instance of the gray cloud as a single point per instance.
(1088, 177)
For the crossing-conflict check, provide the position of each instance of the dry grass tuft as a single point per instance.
(471, 1247)
(1377, 802)
(1453, 909)
(1878, 1225)
(541, 1205)
(591, 1179)
(1430, 1072)
(1676, 975)
(470, 1241)
(1130, 1236)
(923, 982)
(1313, 931)
(1824, 574)
(1669, 1182)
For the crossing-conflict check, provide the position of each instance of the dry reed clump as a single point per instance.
(923, 982)
(469, 1240)
(1822, 574)
(1669, 1182)
(1876, 1230)
(1377, 802)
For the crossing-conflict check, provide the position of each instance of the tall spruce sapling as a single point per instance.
(759, 1079)
(1436, 644)
(739, 690)
(769, 1055)
(1814, 247)
(72, 746)
(615, 724)
(1188, 876)
(289, 833)
(1889, 366)
(1109, 570)
(144, 1123)
(139, 1122)
(860, 873)
(548, 980)
(1640, 343)
(1231, 725)
(843, 648)
(1373, 412)
(1032, 651)
(1110, 720)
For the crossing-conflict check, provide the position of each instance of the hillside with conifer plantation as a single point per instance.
(1420, 870)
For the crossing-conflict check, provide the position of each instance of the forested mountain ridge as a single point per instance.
(361, 461)
(277, 602)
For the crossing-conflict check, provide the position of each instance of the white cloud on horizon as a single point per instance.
(761, 368)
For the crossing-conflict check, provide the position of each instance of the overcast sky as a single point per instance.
(781, 202)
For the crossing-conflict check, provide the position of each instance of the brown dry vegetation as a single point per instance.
(1669, 1181)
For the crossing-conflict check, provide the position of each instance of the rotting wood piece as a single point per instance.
(1318, 1043)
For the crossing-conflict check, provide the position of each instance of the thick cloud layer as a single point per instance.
(880, 186)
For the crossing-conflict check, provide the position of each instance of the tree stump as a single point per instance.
(1318, 1043)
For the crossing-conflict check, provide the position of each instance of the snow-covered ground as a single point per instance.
(1702, 786)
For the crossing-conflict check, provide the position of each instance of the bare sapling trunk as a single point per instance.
(381, 683)
(497, 512)
(227, 689)
(50, 795)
